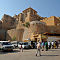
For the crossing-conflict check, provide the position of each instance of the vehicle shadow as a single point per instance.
(49, 55)
(52, 50)
(6, 52)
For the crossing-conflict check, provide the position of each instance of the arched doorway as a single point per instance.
(35, 39)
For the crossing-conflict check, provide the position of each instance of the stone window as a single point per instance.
(6, 21)
(11, 23)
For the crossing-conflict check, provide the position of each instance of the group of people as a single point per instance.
(45, 46)
(54, 44)
(49, 45)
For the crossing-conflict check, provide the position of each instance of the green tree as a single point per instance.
(27, 24)
(23, 24)
(14, 38)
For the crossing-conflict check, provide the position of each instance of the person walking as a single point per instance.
(56, 43)
(49, 44)
(42, 46)
(46, 45)
(21, 48)
(38, 49)
(35, 45)
(52, 44)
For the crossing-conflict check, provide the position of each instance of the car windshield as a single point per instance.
(20, 43)
(6, 43)
(24, 43)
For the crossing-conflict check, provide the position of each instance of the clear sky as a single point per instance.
(45, 8)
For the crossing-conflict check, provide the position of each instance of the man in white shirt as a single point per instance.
(52, 44)
(49, 44)
(38, 49)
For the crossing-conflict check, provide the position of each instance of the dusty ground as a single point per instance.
(52, 54)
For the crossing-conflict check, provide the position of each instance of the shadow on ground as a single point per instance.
(54, 49)
(49, 55)
(6, 52)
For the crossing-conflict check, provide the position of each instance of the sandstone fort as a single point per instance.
(27, 25)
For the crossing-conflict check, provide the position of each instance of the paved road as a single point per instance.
(53, 54)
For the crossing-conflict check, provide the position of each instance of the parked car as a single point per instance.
(32, 44)
(15, 44)
(6, 45)
(24, 45)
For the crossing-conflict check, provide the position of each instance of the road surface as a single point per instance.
(52, 54)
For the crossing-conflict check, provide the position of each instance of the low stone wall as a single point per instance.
(15, 33)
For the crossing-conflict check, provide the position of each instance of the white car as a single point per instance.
(24, 45)
(15, 44)
(6, 45)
